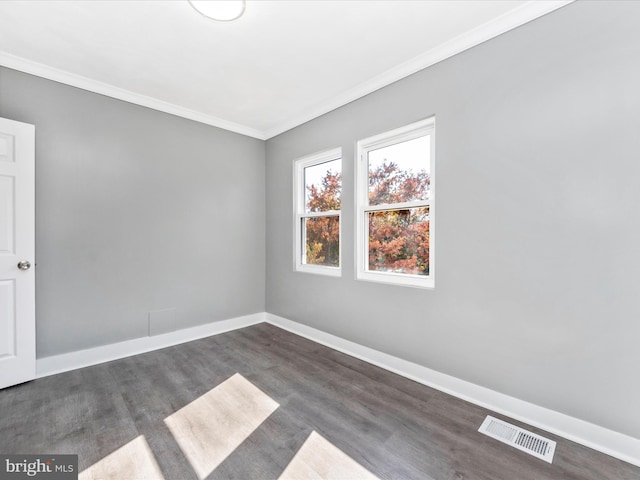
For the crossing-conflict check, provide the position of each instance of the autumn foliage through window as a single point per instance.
(319, 198)
(394, 200)
(395, 206)
(322, 243)
(399, 239)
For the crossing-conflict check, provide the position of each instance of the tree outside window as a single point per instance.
(318, 203)
(395, 206)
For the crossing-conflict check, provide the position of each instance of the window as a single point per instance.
(318, 196)
(395, 198)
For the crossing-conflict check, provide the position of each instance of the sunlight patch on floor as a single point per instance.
(133, 460)
(215, 424)
(319, 459)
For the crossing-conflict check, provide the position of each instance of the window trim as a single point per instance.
(299, 197)
(398, 135)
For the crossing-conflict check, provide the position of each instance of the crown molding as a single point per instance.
(502, 24)
(508, 21)
(50, 73)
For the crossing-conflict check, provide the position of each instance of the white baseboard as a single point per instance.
(607, 441)
(84, 358)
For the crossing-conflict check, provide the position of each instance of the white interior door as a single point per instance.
(17, 249)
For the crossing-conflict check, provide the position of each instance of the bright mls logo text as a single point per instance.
(39, 466)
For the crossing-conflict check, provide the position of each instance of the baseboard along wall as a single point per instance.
(105, 353)
(607, 441)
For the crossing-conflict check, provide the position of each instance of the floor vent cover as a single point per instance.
(519, 438)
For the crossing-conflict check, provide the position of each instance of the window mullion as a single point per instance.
(396, 206)
(328, 213)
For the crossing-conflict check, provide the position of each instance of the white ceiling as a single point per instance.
(281, 64)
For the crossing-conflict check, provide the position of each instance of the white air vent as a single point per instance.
(519, 438)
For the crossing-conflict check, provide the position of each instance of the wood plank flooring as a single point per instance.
(380, 424)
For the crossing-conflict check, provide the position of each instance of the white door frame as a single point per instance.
(17, 246)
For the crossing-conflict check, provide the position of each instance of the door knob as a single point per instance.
(24, 265)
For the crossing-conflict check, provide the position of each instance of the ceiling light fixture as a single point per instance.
(219, 10)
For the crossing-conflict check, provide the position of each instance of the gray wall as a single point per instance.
(136, 210)
(538, 227)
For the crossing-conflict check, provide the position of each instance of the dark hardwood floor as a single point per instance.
(393, 427)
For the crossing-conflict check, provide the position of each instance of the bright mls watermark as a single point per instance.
(50, 467)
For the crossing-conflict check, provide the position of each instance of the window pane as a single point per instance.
(321, 241)
(323, 186)
(399, 241)
(401, 172)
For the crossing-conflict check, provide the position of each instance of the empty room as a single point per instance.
(319, 239)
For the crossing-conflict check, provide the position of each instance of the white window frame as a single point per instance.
(402, 134)
(299, 201)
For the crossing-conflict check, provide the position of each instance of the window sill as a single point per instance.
(399, 279)
(320, 270)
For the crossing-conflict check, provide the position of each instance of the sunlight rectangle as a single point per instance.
(319, 459)
(215, 424)
(133, 460)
